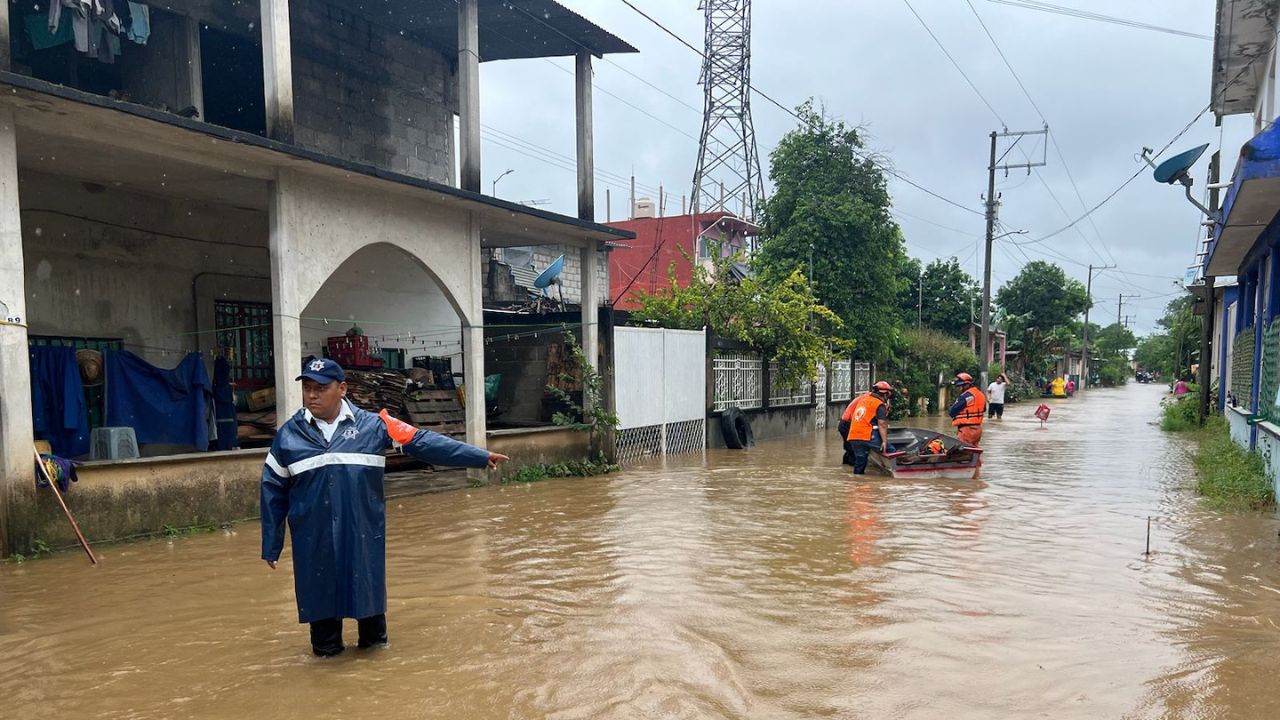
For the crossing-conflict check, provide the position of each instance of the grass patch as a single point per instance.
(1180, 414)
(197, 526)
(534, 473)
(1230, 477)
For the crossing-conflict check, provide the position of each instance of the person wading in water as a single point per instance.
(324, 476)
(968, 411)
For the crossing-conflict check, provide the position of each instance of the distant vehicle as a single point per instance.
(1143, 376)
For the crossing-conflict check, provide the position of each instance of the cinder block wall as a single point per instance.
(544, 255)
(369, 94)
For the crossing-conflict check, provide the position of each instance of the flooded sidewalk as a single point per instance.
(758, 584)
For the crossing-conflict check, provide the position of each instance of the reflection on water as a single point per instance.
(761, 584)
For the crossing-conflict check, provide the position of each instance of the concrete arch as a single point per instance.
(393, 296)
(319, 223)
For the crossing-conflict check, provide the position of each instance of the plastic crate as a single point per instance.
(113, 443)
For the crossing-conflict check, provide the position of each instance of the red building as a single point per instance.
(663, 242)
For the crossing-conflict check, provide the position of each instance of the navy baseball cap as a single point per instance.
(323, 371)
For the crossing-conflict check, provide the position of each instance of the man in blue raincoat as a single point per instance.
(324, 475)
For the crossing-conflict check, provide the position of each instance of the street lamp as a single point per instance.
(494, 190)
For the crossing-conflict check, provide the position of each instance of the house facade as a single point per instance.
(1240, 262)
(243, 182)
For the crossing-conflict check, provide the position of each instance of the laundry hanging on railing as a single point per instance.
(94, 26)
(58, 410)
(162, 406)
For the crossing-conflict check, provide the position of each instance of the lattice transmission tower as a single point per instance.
(728, 173)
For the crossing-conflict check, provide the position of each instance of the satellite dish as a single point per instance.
(549, 275)
(1172, 170)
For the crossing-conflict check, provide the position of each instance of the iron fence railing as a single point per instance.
(1242, 366)
(738, 380)
(780, 395)
(841, 380)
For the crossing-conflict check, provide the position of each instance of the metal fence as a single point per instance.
(738, 379)
(798, 393)
(862, 374)
(677, 438)
(1242, 366)
(841, 380)
(1269, 377)
(661, 392)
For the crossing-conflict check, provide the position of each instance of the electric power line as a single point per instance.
(1096, 17)
(866, 156)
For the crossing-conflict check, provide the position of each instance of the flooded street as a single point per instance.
(760, 584)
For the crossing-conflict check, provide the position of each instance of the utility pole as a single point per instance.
(1084, 353)
(1120, 304)
(1207, 320)
(992, 205)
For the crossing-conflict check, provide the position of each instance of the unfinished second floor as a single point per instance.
(385, 83)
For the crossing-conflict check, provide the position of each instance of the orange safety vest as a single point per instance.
(861, 415)
(975, 411)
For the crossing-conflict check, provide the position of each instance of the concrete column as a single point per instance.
(286, 306)
(586, 152)
(473, 341)
(469, 94)
(277, 69)
(590, 309)
(16, 434)
(5, 55)
(195, 67)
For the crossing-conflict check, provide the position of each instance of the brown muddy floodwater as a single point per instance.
(760, 584)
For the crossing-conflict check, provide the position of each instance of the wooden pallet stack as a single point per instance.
(438, 411)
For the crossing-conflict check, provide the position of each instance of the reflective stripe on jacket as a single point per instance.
(862, 416)
(331, 495)
(975, 409)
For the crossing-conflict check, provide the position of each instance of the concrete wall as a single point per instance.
(1238, 426)
(768, 424)
(120, 500)
(522, 361)
(541, 446)
(110, 263)
(1269, 449)
(544, 255)
(366, 93)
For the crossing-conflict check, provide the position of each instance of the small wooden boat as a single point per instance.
(948, 459)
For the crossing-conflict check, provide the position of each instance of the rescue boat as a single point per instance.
(927, 455)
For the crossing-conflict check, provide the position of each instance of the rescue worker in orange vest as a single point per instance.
(867, 421)
(968, 411)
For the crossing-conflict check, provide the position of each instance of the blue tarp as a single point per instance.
(1259, 158)
(58, 410)
(162, 406)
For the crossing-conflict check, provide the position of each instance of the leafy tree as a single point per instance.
(1155, 353)
(782, 320)
(929, 360)
(948, 292)
(1039, 306)
(830, 211)
(1113, 340)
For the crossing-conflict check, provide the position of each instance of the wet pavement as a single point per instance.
(759, 584)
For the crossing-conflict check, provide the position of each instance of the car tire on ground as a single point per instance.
(736, 429)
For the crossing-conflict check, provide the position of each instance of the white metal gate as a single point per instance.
(661, 388)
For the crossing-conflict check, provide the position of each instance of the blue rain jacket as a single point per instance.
(332, 496)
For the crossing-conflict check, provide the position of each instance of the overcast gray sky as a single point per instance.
(1105, 90)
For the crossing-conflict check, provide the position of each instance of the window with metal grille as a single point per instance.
(244, 335)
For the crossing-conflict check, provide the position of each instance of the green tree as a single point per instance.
(1112, 341)
(1039, 307)
(948, 292)
(1155, 353)
(929, 357)
(830, 212)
